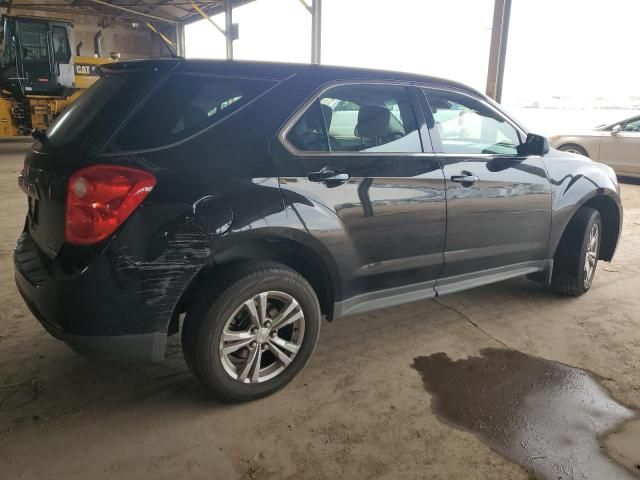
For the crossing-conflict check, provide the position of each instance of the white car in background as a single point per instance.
(617, 145)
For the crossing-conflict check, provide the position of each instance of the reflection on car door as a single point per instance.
(498, 202)
(622, 151)
(371, 196)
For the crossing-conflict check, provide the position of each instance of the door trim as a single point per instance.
(492, 275)
(384, 298)
(426, 290)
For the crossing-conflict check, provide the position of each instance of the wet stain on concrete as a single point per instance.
(548, 417)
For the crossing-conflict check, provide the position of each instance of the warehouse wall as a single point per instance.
(118, 35)
(128, 42)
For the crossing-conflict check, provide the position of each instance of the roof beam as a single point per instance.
(135, 12)
(207, 17)
(70, 9)
(307, 6)
(213, 8)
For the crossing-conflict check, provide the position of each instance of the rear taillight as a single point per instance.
(100, 198)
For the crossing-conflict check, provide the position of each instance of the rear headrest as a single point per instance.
(373, 122)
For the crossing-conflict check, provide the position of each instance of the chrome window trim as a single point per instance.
(481, 155)
(284, 130)
(521, 133)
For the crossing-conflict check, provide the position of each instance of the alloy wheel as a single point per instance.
(261, 337)
(591, 255)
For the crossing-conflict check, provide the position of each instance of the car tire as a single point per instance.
(573, 148)
(577, 255)
(228, 338)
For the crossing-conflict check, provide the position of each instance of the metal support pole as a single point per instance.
(180, 50)
(498, 50)
(494, 49)
(228, 27)
(504, 35)
(316, 30)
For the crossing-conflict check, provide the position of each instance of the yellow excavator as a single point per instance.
(39, 75)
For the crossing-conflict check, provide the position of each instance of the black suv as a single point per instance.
(256, 198)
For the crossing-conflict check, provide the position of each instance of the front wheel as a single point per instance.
(254, 337)
(576, 259)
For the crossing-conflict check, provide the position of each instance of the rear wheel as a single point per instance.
(572, 148)
(577, 255)
(256, 335)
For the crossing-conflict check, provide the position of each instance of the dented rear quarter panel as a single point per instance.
(213, 192)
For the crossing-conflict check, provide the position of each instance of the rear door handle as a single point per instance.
(331, 177)
(466, 179)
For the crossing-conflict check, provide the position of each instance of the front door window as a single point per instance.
(467, 126)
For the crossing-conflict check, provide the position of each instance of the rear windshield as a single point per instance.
(182, 106)
(95, 116)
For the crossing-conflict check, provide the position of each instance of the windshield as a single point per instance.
(34, 41)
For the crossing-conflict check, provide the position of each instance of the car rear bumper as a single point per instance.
(67, 308)
(144, 347)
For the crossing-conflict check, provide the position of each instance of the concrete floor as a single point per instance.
(358, 410)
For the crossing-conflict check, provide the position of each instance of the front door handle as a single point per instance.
(466, 179)
(331, 177)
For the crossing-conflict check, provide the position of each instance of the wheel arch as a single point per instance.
(611, 224)
(580, 146)
(610, 216)
(296, 255)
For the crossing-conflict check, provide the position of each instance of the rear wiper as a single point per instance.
(39, 135)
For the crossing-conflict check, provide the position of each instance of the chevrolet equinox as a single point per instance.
(239, 202)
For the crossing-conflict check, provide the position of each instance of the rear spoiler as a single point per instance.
(156, 65)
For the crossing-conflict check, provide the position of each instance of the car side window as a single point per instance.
(184, 105)
(632, 125)
(309, 134)
(359, 118)
(467, 126)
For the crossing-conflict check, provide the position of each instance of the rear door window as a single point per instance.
(367, 118)
(184, 105)
(309, 133)
(379, 118)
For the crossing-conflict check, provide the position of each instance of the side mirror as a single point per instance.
(616, 130)
(534, 145)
